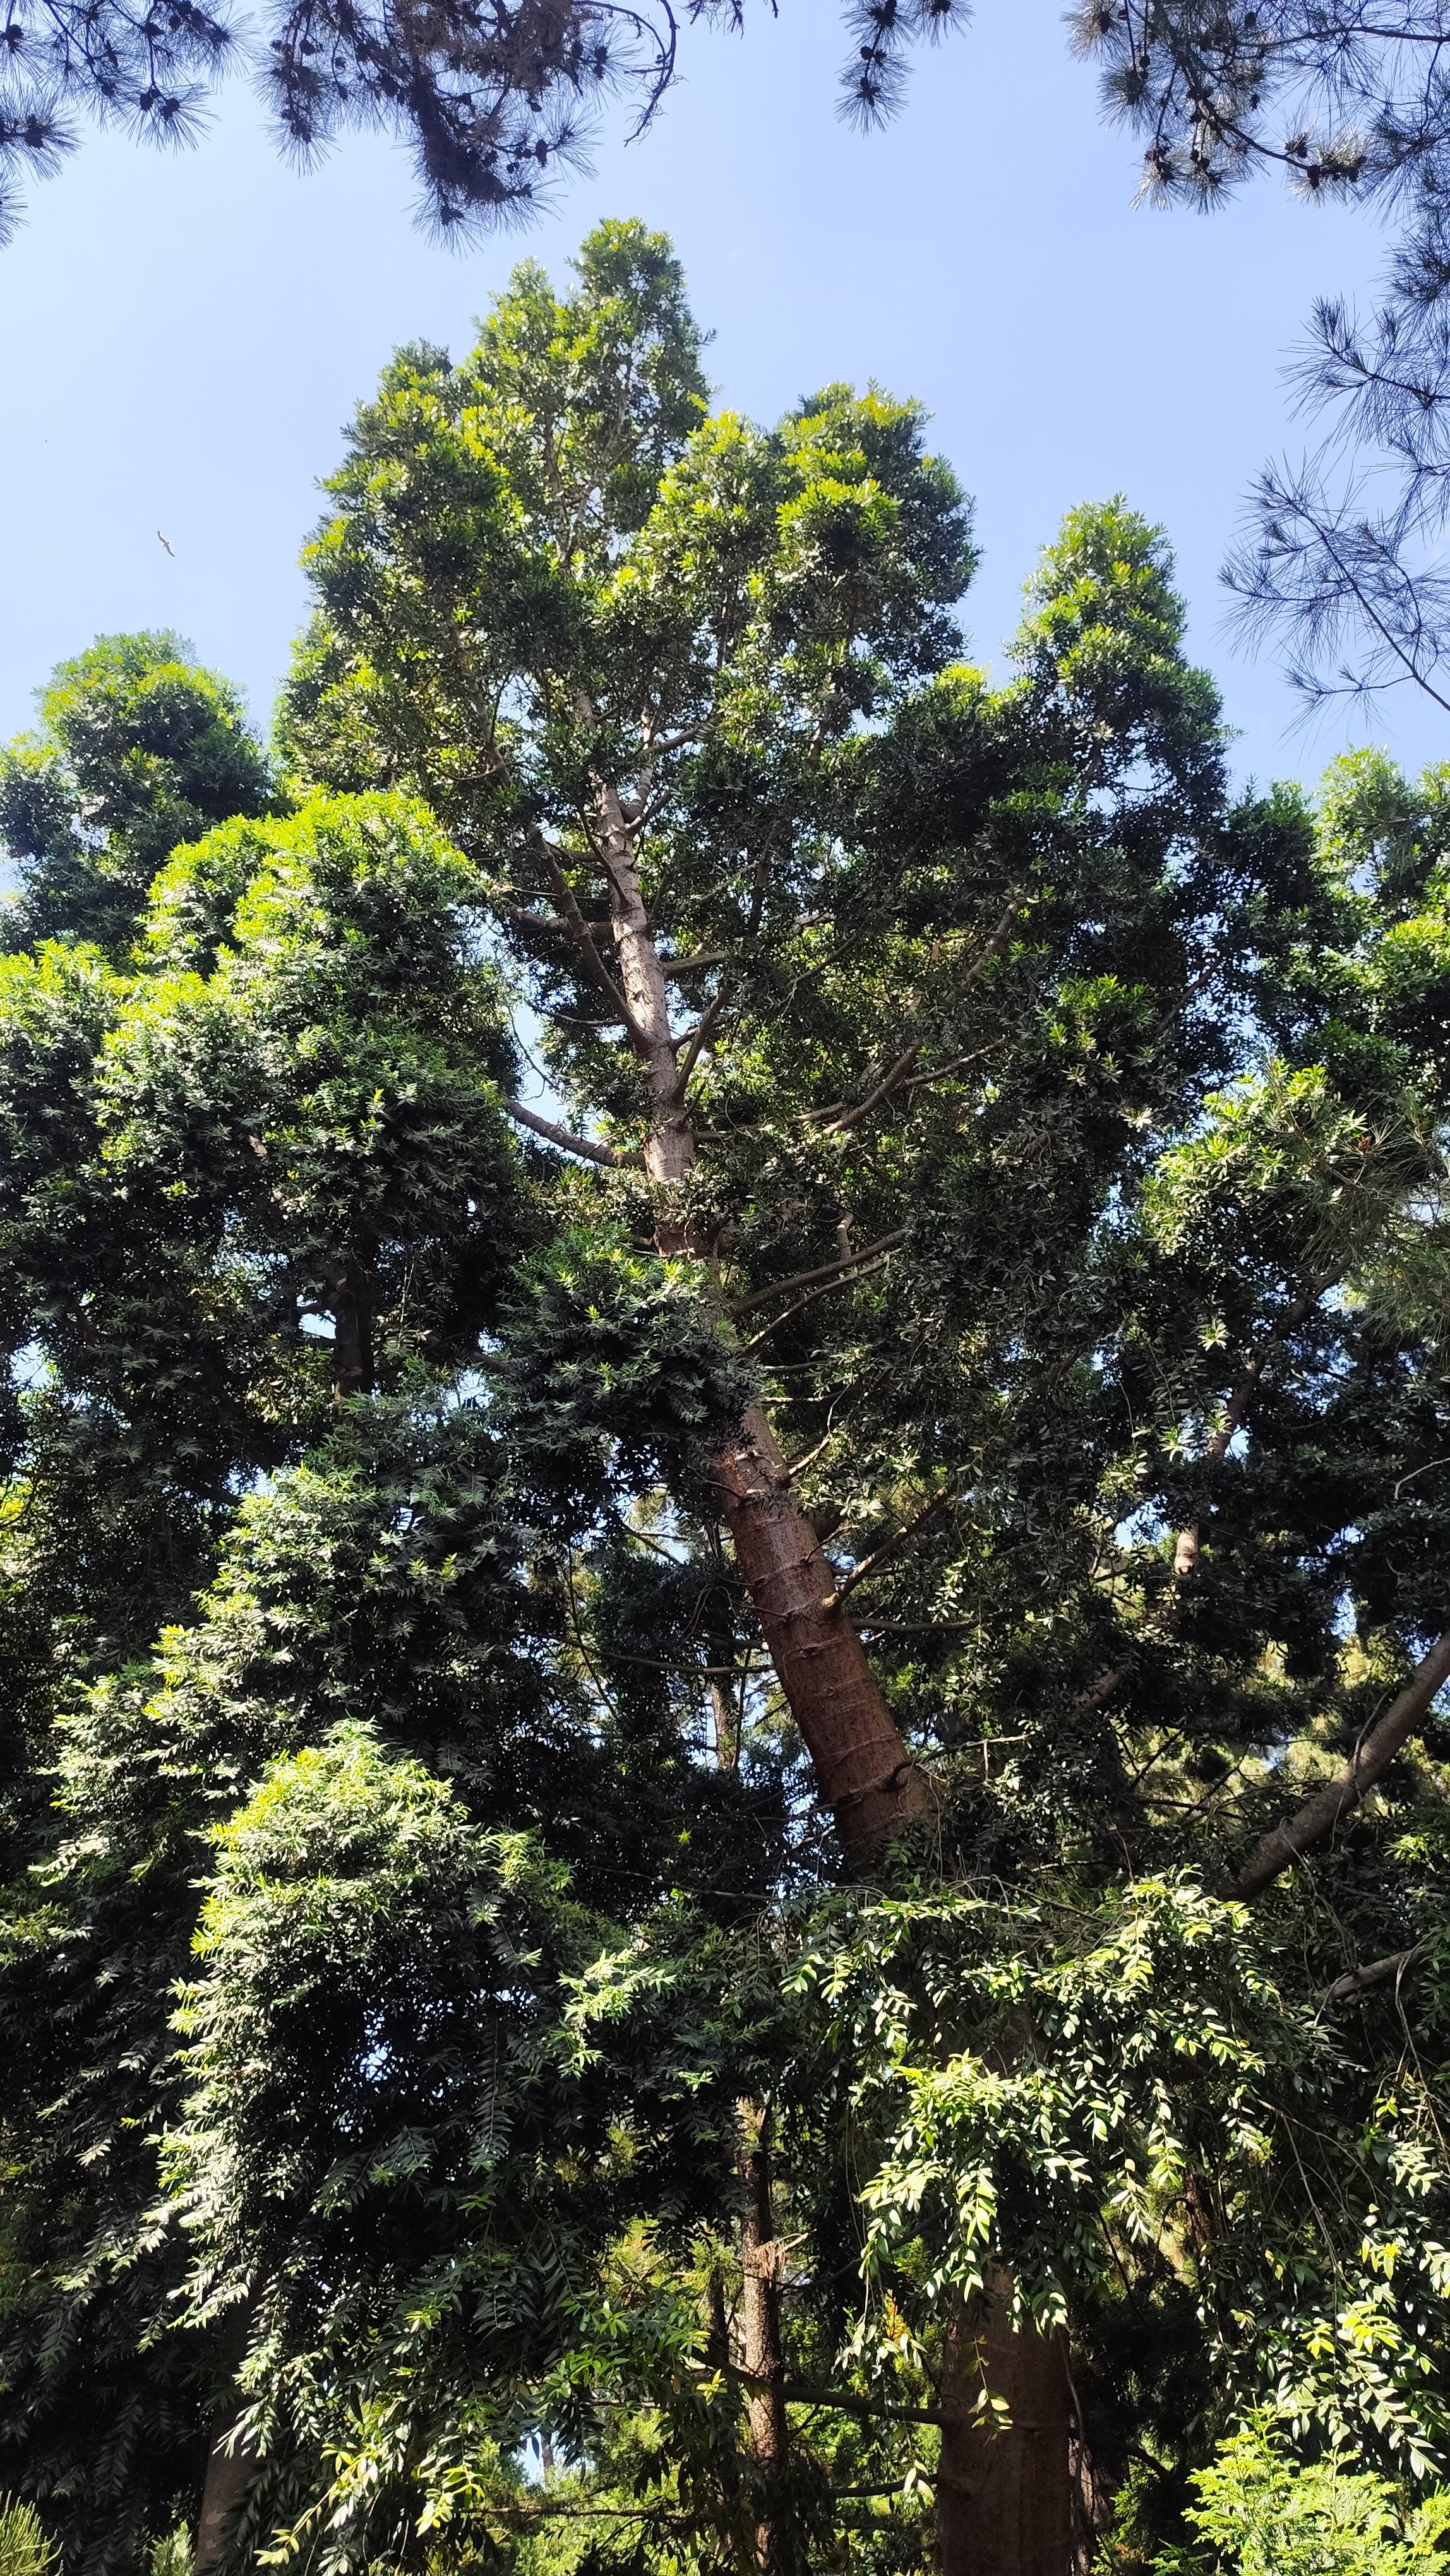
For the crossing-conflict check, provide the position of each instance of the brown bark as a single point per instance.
(1185, 1553)
(1368, 1763)
(763, 2354)
(867, 1775)
(1005, 2498)
(1019, 2487)
(229, 2471)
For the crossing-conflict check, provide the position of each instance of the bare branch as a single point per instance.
(569, 1143)
(1378, 1972)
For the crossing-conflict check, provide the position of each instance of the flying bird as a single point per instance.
(166, 542)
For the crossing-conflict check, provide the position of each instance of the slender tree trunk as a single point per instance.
(763, 2354)
(1004, 2499)
(867, 1774)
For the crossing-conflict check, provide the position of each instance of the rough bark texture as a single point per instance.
(866, 1774)
(1005, 2499)
(1369, 1761)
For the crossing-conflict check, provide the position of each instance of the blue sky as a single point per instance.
(183, 337)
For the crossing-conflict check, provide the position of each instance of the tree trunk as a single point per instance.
(867, 1775)
(353, 1363)
(228, 2477)
(763, 2354)
(1004, 2498)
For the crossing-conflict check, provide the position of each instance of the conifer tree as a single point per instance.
(786, 1829)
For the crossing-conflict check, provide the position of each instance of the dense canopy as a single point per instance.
(723, 1545)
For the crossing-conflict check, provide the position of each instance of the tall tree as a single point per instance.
(971, 1272)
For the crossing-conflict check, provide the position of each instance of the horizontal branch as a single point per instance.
(611, 1155)
(800, 2392)
(1368, 1763)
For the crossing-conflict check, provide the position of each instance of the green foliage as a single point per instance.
(24, 2549)
(1260, 2513)
(137, 750)
(418, 1886)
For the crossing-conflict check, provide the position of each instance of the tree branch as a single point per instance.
(888, 1547)
(583, 938)
(889, 1082)
(1377, 1972)
(1186, 1549)
(611, 1155)
(825, 1270)
(1368, 1763)
(828, 1287)
(704, 1028)
(894, 1078)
